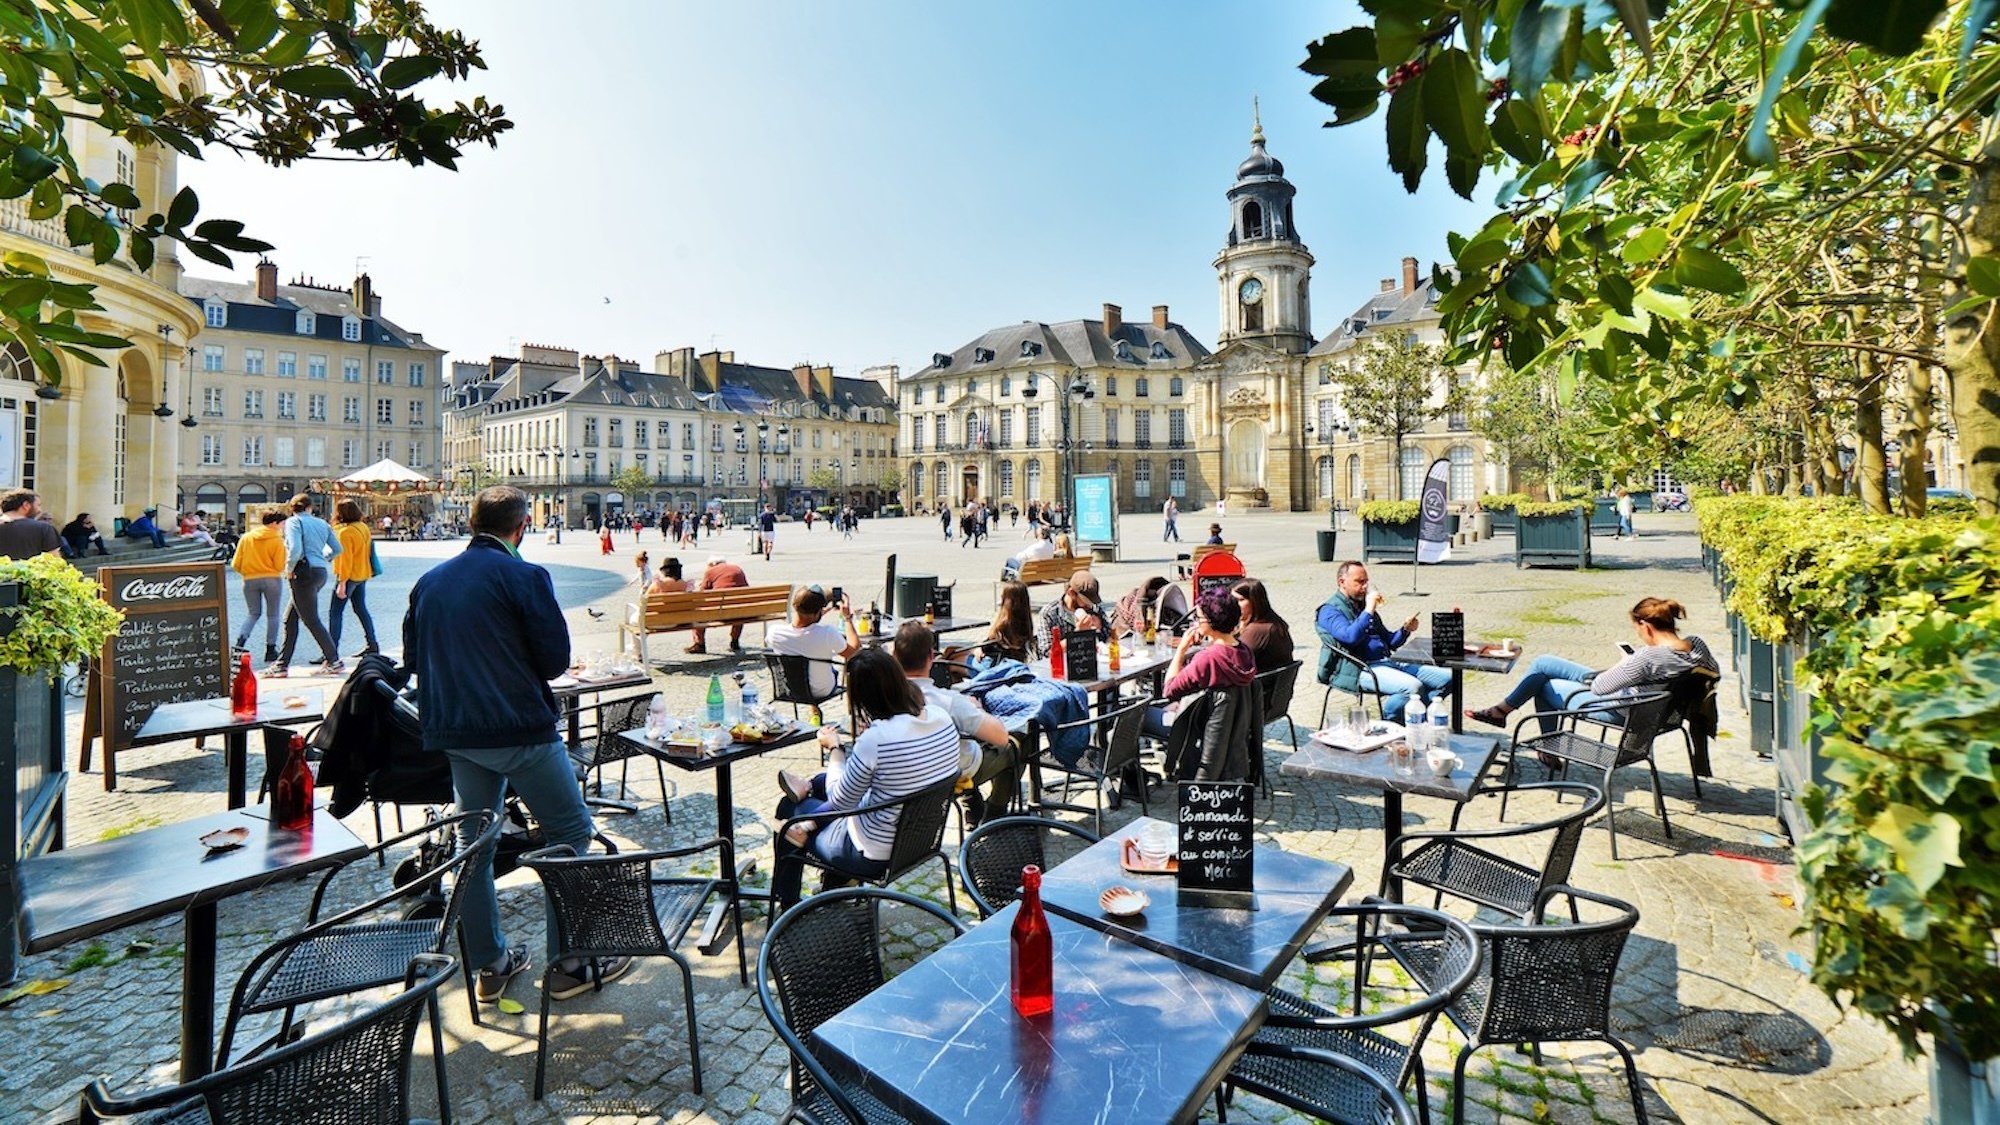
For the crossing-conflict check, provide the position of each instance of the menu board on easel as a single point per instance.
(1217, 855)
(1080, 659)
(172, 647)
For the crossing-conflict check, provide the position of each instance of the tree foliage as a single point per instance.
(1396, 389)
(330, 79)
(632, 479)
(823, 479)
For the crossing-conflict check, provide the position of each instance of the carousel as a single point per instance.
(400, 501)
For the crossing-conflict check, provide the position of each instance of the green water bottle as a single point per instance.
(715, 699)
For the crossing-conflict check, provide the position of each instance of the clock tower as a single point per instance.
(1263, 269)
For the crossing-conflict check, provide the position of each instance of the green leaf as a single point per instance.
(1894, 27)
(319, 81)
(1924, 843)
(289, 49)
(510, 1006)
(46, 201)
(1530, 286)
(22, 262)
(1705, 269)
(1346, 54)
(78, 224)
(1398, 32)
(1535, 42)
(403, 73)
(1672, 306)
(1455, 106)
(183, 209)
(1983, 275)
(1644, 247)
(31, 163)
(1757, 144)
(142, 253)
(1408, 135)
(1519, 132)
(1462, 173)
(1584, 180)
(1637, 24)
(1978, 15)
(1615, 290)
(120, 195)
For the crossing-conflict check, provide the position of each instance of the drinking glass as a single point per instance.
(1404, 757)
(1357, 721)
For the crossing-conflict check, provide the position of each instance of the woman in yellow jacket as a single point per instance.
(352, 568)
(260, 559)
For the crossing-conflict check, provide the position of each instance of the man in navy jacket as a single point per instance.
(1352, 620)
(484, 635)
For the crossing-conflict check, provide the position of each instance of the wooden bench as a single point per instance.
(668, 613)
(1042, 572)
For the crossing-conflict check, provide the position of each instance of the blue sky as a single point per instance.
(848, 183)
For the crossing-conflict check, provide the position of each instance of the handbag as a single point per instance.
(374, 561)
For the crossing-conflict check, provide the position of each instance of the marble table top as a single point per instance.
(1376, 769)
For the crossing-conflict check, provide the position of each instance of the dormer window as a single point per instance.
(350, 328)
(1160, 351)
(1357, 326)
(215, 313)
(982, 355)
(1006, 385)
(1030, 349)
(306, 323)
(1123, 351)
(940, 359)
(1381, 314)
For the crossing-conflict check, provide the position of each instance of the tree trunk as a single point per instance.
(1871, 466)
(1972, 345)
(1914, 433)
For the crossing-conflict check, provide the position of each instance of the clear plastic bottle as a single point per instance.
(1416, 724)
(1439, 717)
(732, 701)
(749, 695)
(656, 716)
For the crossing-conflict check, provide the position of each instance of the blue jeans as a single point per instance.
(1625, 525)
(1549, 681)
(357, 595)
(1398, 680)
(832, 845)
(541, 773)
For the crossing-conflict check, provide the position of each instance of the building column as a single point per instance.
(90, 452)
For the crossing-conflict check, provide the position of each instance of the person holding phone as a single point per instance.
(1553, 683)
(1351, 620)
(805, 635)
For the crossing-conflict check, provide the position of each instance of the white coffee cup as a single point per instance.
(1509, 644)
(1441, 761)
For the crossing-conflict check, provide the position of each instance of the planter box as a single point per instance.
(1502, 521)
(1552, 541)
(1795, 745)
(1393, 542)
(32, 781)
(1604, 517)
(1962, 1089)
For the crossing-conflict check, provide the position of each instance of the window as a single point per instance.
(253, 404)
(1176, 387)
(350, 370)
(315, 408)
(211, 357)
(281, 453)
(253, 451)
(1142, 428)
(316, 367)
(687, 435)
(416, 412)
(1326, 478)
(288, 365)
(1033, 436)
(1034, 482)
(943, 480)
(350, 409)
(385, 411)
(1006, 385)
(617, 434)
(1177, 477)
(917, 395)
(939, 424)
(1177, 428)
(350, 328)
(1007, 428)
(1456, 419)
(816, 438)
(1139, 387)
(1414, 464)
(215, 313)
(1142, 479)
(306, 323)
(1006, 478)
(385, 372)
(714, 435)
(1327, 423)
(1160, 351)
(1463, 482)
(1353, 478)
(211, 403)
(416, 455)
(972, 386)
(315, 453)
(917, 480)
(350, 453)
(253, 361)
(384, 450)
(1111, 426)
(416, 374)
(1326, 374)
(211, 449)
(288, 405)
(916, 435)
(590, 431)
(641, 436)
(1110, 386)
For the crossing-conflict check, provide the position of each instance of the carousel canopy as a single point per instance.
(384, 478)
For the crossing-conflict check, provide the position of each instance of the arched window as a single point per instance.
(1253, 219)
(1414, 463)
(1034, 482)
(972, 435)
(1464, 481)
(1006, 385)
(1326, 478)
(1353, 478)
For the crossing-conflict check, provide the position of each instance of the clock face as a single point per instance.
(1250, 291)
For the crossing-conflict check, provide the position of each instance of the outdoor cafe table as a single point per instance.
(1130, 667)
(1135, 1036)
(81, 893)
(1251, 947)
(725, 812)
(569, 689)
(1417, 649)
(200, 718)
(940, 626)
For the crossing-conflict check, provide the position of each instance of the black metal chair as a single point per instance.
(1692, 713)
(352, 1072)
(1365, 685)
(1306, 1083)
(614, 717)
(991, 858)
(614, 906)
(1279, 685)
(1110, 758)
(1372, 1099)
(791, 680)
(1636, 720)
(1453, 862)
(370, 945)
(920, 826)
(820, 957)
(1541, 981)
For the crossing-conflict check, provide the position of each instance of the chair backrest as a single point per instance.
(1690, 699)
(472, 837)
(1279, 684)
(1566, 829)
(1546, 982)
(920, 826)
(991, 858)
(600, 905)
(1231, 728)
(791, 678)
(366, 1059)
(1121, 740)
(819, 958)
(619, 715)
(1645, 717)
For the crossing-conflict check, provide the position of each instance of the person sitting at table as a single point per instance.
(1264, 633)
(1040, 547)
(1139, 606)
(1077, 608)
(906, 746)
(668, 580)
(1208, 656)
(986, 750)
(1012, 635)
(1553, 683)
(804, 635)
(1351, 620)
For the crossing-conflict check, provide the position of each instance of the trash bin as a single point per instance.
(913, 594)
(1326, 549)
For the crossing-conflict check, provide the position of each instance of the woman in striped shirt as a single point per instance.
(1553, 683)
(907, 747)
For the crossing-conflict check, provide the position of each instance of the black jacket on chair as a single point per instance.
(1215, 733)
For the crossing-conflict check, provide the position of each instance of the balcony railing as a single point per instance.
(1142, 443)
(1111, 443)
(1177, 443)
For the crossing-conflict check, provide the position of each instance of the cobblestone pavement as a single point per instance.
(1712, 994)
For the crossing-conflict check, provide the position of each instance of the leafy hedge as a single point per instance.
(1553, 508)
(1902, 866)
(61, 619)
(1503, 501)
(1388, 511)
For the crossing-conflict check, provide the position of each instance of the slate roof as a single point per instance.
(1383, 310)
(280, 317)
(1075, 343)
(608, 386)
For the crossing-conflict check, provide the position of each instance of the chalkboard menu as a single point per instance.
(1080, 655)
(941, 601)
(172, 647)
(1447, 635)
(1206, 582)
(1216, 819)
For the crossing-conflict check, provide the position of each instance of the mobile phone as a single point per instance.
(1626, 647)
(837, 597)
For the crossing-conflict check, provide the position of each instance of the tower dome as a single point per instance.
(1259, 164)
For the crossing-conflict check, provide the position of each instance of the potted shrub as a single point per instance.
(1499, 508)
(1388, 530)
(1556, 533)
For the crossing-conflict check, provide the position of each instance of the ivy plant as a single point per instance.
(61, 617)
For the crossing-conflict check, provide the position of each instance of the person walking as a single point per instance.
(310, 545)
(1171, 513)
(1624, 515)
(260, 559)
(351, 571)
(604, 537)
(944, 518)
(488, 709)
(767, 527)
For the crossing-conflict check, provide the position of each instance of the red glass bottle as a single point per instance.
(1057, 665)
(1034, 954)
(292, 795)
(243, 690)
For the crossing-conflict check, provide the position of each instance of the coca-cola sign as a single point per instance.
(181, 587)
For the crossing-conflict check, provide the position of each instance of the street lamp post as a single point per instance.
(1069, 402)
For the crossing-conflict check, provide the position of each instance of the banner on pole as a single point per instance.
(1433, 522)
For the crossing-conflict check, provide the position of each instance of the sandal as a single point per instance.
(1494, 716)
(800, 834)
